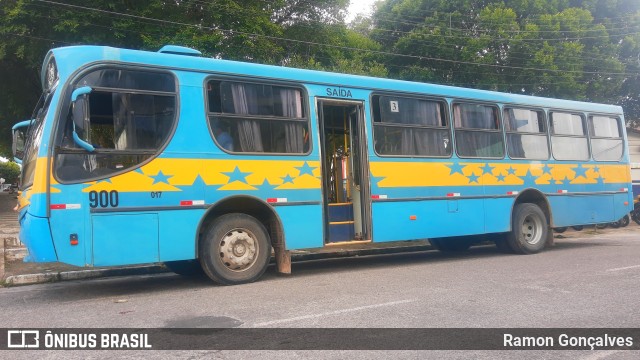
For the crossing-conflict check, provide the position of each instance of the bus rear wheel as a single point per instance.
(624, 222)
(529, 229)
(635, 214)
(235, 249)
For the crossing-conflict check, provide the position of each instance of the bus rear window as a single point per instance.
(606, 138)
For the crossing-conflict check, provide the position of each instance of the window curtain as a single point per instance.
(245, 102)
(428, 142)
(567, 124)
(514, 141)
(476, 143)
(475, 117)
(465, 141)
(416, 141)
(407, 116)
(487, 144)
(294, 131)
(489, 119)
(575, 125)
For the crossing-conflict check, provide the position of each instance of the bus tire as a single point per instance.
(577, 227)
(624, 222)
(529, 230)
(560, 229)
(185, 267)
(635, 214)
(235, 249)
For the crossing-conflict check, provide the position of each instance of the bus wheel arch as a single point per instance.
(536, 197)
(531, 220)
(255, 208)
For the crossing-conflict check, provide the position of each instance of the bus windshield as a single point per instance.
(34, 139)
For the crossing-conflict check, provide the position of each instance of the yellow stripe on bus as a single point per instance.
(295, 174)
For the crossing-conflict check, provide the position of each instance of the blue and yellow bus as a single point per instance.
(137, 157)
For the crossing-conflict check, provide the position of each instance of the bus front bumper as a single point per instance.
(35, 234)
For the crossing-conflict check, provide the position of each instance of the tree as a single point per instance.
(28, 29)
(560, 48)
(9, 171)
(281, 32)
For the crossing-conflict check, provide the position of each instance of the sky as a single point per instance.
(359, 7)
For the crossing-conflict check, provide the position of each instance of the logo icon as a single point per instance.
(23, 339)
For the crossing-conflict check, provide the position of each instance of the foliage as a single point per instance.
(9, 171)
(582, 50)
(246, 30)
(575, 49)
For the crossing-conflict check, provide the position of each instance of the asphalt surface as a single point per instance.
(586, 280)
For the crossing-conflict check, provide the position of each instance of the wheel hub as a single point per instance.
(531, 229)
(238, 249)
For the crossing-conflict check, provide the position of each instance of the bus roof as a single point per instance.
(73, 57)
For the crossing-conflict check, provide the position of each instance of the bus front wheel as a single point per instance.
(235, 250)
(529, 229)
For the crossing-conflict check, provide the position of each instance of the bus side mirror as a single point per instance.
(19, 131)
(79, 115)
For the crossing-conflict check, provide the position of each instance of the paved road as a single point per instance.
(588, 281)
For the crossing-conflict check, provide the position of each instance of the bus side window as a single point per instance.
(568, 136)
(526, 134)
(127, 124)
(257, 118)
(410, 126)
(478, 131)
